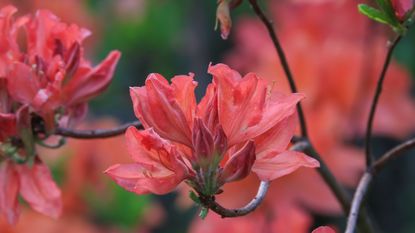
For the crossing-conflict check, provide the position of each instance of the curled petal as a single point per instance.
(9, 188)
(203, 144)
(7, 125)
(88, 83)
(22, 83)
(223, 17)
(144, 179)
(240, 164)
(147, 147)
(274, 164)
(184, 93)
(278, 137)
(39, 190)
(157, 106)
(247, 106)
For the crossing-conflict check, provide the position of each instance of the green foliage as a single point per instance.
(194, 197)
(120, 208)
(385, 14)
(203, 212)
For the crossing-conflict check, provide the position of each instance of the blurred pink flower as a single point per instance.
(35, 185)
(402, 8)
(52, 75)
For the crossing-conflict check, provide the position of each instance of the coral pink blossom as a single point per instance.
(34, 184)
(241, 124)
(337, 100)
(43, 79)
(52, 76)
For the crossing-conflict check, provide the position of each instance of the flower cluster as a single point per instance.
(241, 124)
(44, 82)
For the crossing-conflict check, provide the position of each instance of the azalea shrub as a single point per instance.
(235, 115)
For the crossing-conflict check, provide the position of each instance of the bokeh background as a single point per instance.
(335, 54)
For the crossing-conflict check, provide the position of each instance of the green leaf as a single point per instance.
(203, 213)
(194, 197)
(373, 13)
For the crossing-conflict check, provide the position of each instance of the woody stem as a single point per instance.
(98, 133)
(378, 91)
(283, 60)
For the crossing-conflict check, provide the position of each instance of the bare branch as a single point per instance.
(96, 134)
(358, 198)
(393, 153)
(378, 91)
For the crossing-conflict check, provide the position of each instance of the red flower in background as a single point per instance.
(402, 8)
(35, 185)
(240, 124)
(52, 74)
(44, 76)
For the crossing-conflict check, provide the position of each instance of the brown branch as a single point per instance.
(284, 63)
(358, 198)
(230, 213)
(393, 153)
(96, 134)
(378, 91)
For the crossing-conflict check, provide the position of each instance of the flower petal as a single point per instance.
(278, 137)
(184, 93)
(247, 107)
(156, 106)
(9, 188)
(88, 83)
(39, 190)
(144, 179)
(22, 83)
(7, 125)
(148, 147)
(239, 165)
(274, 164)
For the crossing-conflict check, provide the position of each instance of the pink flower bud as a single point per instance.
(240, 164)
(202, 143)
(402, 7)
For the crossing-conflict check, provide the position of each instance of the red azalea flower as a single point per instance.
(35, 185)
(52, 74)
(239, 125)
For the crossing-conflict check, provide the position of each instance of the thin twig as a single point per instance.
(284, 63)
(393, 153)
(358, 198)
(378, 91)
(366, 179)
(96, 134)
(326, 174)
(230, 213)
